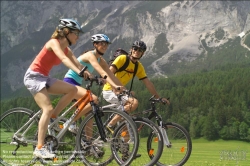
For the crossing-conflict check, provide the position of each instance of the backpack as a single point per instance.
(119, 52)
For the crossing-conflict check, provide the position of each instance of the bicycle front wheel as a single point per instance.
(95, 151)
(149, 150)
(177, 145)
(17, 150)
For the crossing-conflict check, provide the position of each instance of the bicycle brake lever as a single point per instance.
(151, 97)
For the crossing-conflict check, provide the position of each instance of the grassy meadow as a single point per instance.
(219, 153)
(204, 153)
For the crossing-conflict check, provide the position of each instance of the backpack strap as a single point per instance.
(135, 70)
(125, 65)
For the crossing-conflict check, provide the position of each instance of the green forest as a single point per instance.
(210, 104)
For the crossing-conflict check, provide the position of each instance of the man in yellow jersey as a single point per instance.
(124, 76)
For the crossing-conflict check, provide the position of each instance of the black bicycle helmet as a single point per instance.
(69, 23)
(140, 44)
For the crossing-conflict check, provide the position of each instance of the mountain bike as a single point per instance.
(19, 126)
(113, 145)
(149, 151)
(177, 141)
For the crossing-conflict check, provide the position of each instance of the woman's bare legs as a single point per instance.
(43, 101)
(61, 87)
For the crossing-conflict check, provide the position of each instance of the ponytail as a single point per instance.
(60, 33)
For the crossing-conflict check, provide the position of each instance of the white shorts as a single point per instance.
(111, 97)
(35, 81)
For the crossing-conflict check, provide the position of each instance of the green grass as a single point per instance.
(219, 153)
(209, 153)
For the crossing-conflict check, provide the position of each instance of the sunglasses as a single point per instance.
(104, 43)
(77, 33)
(138, 49)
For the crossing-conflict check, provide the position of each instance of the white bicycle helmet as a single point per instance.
(100, 38)
(69, 23)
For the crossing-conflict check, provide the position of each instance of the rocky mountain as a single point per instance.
(176, 32)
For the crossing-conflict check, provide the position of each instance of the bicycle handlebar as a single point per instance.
(124, 92)
(82, 71)
(159, 100)
(95, 79)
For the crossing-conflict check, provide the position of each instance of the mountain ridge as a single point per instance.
(176, 32)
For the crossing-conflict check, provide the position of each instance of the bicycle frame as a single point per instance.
(159, 122)
(80, 104)
(153, 114)
(111, 106)
(27, 125)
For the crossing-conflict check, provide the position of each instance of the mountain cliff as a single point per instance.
(177, 33)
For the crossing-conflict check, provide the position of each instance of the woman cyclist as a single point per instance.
(94, 60)
(40, 84)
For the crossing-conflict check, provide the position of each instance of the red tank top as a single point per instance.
(45, 60)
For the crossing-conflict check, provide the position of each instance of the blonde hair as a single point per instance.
(60, 33)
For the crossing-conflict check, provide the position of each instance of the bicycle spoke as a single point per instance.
(149, 150)
(17, 150)
(179, 149)
(95, 151)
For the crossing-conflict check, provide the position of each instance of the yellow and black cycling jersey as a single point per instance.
(126, 75)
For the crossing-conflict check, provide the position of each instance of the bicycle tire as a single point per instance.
(149, 152)
(179, 151)
(109, 149)
(10, 122)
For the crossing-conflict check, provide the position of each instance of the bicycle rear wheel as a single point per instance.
(10, 122)
(149, 150)
(179, 150)
(95, 151)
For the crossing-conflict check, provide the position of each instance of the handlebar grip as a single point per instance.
(164, 102)
(105, 77)
(82, 71)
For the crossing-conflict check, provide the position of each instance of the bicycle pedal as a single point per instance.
(19, 140)
(13, 143)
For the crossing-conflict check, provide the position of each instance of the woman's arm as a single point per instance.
(110, 72)
(73, 59)
(54, 45)
(91, 58)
